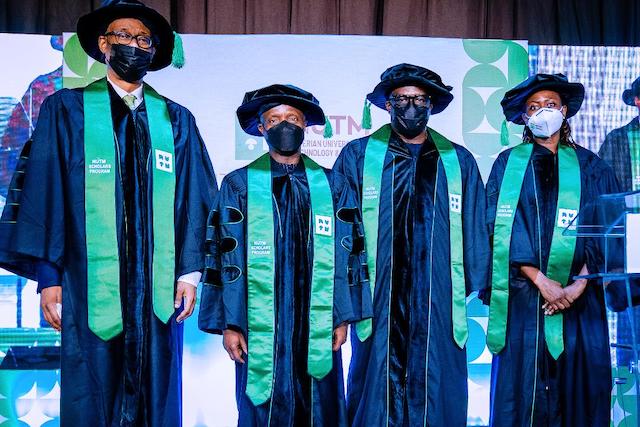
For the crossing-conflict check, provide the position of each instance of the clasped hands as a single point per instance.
(556, 297)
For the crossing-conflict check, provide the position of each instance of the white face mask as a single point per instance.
(545, 122)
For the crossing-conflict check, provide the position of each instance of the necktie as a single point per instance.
(130, 100)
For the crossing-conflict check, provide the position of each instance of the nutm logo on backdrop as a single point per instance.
(501, 64)
(345, 128)
(79, 70)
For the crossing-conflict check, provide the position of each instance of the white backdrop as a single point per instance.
(338, 70)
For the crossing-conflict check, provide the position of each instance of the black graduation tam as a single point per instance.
(633, 91)
(412, 75)
(94, 24)
(513, 103)
(252, 105)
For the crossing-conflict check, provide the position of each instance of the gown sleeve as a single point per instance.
(347, 166)
(211, 314)
(48, 275)
(232, 247)
(32, 225)
(195, 192)
(349, 289)
(606, 151)
(476, 251)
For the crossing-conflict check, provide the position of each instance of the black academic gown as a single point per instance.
(133, 379)
(575, 390)
(296, 399)
(615, 150)
(411, 369)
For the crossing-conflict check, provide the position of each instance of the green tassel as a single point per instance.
(504, 134)
(366, 115)
(177, 59)
(328, 129)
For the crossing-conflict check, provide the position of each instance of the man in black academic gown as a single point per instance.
(619, 145)
(423, 207)
(276, 249)
(114, 254)
(621, 150)
(548, 331)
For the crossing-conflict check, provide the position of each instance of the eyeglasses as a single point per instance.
(144, 42)
(403, 100)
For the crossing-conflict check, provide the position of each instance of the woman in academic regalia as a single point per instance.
(548, 331)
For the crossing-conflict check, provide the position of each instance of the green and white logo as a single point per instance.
(164, 161)
(79, 70)
(248, 147)
(324, 226)
(455, 203)
(565, 216)
(501, 64)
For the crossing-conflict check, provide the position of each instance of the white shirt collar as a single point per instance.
(137, 92)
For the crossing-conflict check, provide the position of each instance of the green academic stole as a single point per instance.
(634, 151)
(505, 215)
(453, 173)
(371, 188)
(261, 274)
(562, 246)
(103, 265)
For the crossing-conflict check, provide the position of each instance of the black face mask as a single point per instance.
(409, 121)
(129, 62)
(285, 138)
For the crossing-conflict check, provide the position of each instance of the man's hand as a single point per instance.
(339, 336)
(187, 292)
(49, 299)
(235, 344)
